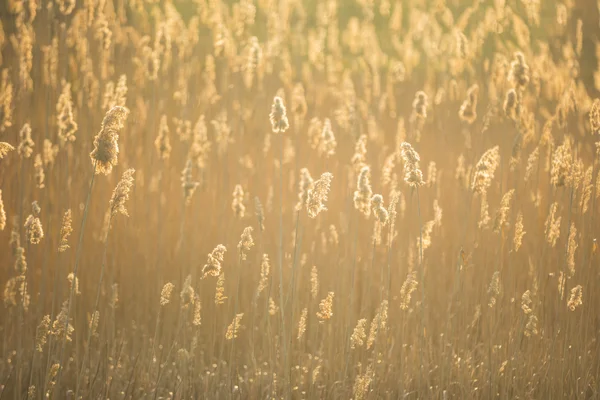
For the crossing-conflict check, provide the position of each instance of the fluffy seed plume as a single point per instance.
(121, 194)
(188, 294)
(49, 153)
(519, 71)
(526, 302)
(278, 117)
(238, 202)
(519, 232)
(576, 298)
(265, 268)
(494, 289)
(106, 146)
(260, 213)
(379, 210)
(33, 225)
(165, 293)
(327, 143)
(407, 289)
(67, 126)
(26, 144)
(304, 186)
(317, 195)
(511, 105)
(363, 194)
(468, 109)
(200, 148)
(359, 335)
(20, 261)
(4, 149)
(65, 231)
(552, 225)
(326, 308)
(420, 105)
(571, 248)
(562, 162)
(586, 190)
(94, 321)
(273, 308)
(532, 163)
(220, 290)
(71, 283)
(485, 170)
(39, 174)
(531, 326)
(197, 320)
(302, 323)
(60, 323)
(162, 142)
(501, 220)
(378, 323)
(41, 335)
(246, 242)
(233, 328)
(362, 384)
(213, 265)
(359, 159)
(187, 183)
(314, 281)
(413, 175)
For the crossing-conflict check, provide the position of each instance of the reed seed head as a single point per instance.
(106, 146)
(363, 194)
(317, 195)
(278, 117)
(379, 210)
(121, 194)
(234, 327)
(326, 308)
(25, 148)
(246, 242)
(413, 175)
(165, 293)
(213, 265)
(4, 149)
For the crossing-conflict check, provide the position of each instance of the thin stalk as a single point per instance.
(283, 336)
(381, 291)
(77, 260)
(235, 306)
(89, 338)
(293, 284)
(155, 335)
(370, 283)
(351, 308)
(57, 287)
(564, 289)
(422, 273)
(168, 356)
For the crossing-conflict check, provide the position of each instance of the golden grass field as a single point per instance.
(299, 199)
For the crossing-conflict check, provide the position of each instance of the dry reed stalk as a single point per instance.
(116, 206)
(103, 158)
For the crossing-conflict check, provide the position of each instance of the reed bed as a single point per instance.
(295, 199)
